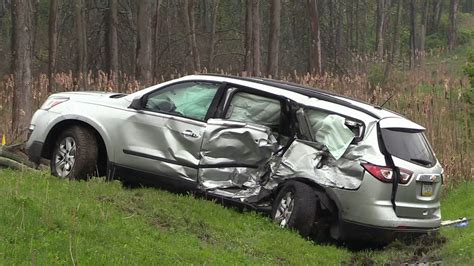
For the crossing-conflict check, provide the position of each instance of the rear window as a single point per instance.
(409, 146)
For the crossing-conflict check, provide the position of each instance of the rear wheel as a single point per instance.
(295, 207)
(75, 154)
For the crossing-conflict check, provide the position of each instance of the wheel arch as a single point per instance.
(104, 149)
(324, 194)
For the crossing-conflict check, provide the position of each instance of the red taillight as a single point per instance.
(385, 174)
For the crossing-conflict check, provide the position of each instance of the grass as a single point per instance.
(45, 220)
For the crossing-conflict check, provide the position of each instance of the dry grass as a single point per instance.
(431, 98)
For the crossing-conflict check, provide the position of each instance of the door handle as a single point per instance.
(189, 133)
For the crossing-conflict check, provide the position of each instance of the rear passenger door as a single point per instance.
(238, 145)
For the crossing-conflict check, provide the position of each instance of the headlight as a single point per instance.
(53, 101)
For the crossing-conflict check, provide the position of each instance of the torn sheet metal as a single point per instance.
(330, 130)
(234, 154)
(306, 160)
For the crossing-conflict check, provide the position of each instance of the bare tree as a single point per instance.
(315, 51)
(52, 42)
(412, 34)
(256, 38)
(395, 43)
(396, 40)
(156, 40)
(112, 40)
(452, 30)
(382, 6)
(274, 38)
(436, 15)
(423, 28)
(144, 42)
(212, 40)
(248, 37)
(189, 22)
(194, 47)
(81, 35)
(22, 42)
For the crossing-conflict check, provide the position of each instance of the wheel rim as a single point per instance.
(285, 209)
(65, 156)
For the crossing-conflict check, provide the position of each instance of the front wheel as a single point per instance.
(295, 207)
(75, 154)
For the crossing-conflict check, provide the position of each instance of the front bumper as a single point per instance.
(34, 150)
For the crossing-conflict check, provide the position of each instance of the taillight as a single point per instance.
(385, 174)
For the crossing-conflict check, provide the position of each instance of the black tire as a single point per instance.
(304, 209)
(85, 155)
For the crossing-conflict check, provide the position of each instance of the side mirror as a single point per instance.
(136, 103)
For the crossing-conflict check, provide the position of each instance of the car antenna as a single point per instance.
(386, 101)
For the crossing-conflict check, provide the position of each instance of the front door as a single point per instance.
(164, 139)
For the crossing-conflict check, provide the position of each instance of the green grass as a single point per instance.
(45, 220)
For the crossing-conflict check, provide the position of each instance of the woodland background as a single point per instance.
(416, 51)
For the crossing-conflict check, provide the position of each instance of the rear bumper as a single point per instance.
(34, 150)
(353, 231)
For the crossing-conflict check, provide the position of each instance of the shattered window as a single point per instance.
(190, 99)
(251, 108)
(330, 130)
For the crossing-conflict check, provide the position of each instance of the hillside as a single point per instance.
(45, 220)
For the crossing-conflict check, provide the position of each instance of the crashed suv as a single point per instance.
(320, 163)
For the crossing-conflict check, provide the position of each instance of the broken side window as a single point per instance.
(256, 109)
(189, 99)
(330, 130)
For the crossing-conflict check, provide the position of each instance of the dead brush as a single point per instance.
(430, 98)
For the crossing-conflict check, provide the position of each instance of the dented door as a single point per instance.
(234, 154)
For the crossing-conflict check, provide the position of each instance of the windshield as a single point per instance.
(408, 146)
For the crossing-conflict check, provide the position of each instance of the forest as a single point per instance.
(367, 49)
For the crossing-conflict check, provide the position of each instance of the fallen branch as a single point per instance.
(12, 156)
(11, 160)
(9, 163)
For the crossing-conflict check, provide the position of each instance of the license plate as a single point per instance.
(426, 190)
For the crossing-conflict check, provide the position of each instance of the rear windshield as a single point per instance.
(409, 146)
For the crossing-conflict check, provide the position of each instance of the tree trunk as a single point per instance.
(412, 34)
(144, 42)
(436, 15)
(191, 35)
(81, 33)
(248, 37)
(274, 38)
(192, 20)
(112, 41)
(315, 47)
(452, 30)
(22, 41)
(356, 25)
(395, 43)
(212, 41)
(396, 52)
(424, 23)
(350, 25)
(156, 42)
(52, 43)
(256, 38)
(379, 41)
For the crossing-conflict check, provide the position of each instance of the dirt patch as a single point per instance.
(409, 249)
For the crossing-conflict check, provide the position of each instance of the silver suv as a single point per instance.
(320, 163)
